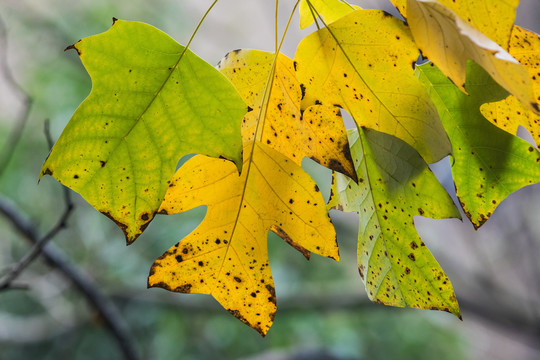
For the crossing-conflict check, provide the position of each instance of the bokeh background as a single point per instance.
(323, 312)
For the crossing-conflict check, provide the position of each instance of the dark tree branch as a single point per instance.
(34, 252)
(55, 258)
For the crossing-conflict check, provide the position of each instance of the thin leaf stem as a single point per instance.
(259, 125)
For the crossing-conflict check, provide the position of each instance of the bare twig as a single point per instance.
(34, 252)
(14, 137)
(55, 258)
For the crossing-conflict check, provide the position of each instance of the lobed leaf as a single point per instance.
(330, 10)
(317, 132)
(363, 63)
(449, 42)
(489, 162)
(226, 256)
(394, 185)
(508, 114)
(152, 102)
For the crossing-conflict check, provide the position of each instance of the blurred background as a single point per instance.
(323, 312)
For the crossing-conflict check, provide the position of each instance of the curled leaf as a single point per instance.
(489, 163)
(449, 42)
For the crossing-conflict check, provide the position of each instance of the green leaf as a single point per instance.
(363, 63)
(489, 162)
(152, 102)
(394, 185)
(509, 113)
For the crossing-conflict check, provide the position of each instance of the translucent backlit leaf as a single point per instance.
(226, 256)
(364, 63)
(489, 162)
(330, 10)
(394, 185)
(494, 18)
(449, 42)
(508, 114)
(147, 109)
(317, 133)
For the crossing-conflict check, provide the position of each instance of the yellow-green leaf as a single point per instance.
(364, 63)
(149, 106)
(394, 185)
(489, 162)
(508, 114)
(449, 42)
(226, 256)
(330, 10)
(317, 133)
(493, 18)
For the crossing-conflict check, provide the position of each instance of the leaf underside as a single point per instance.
(494, 18)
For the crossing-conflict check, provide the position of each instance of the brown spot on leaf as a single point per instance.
(186, 289)
(272, 292)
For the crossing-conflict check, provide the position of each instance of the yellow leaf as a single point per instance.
(317, 133)
(508, 114)
(494, 18)
(330, 10)
(364, 63)
(226, 256)
(449, 42)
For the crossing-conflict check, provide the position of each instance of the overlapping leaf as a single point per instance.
(317, 133)
(363, 62)
(493, 18)
(449, 42)
(508, 114)
(330, 10)
(226, 256)
(146, 110)
(394, 185)
(489, 163)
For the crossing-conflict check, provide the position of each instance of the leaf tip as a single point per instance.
(74, 47)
